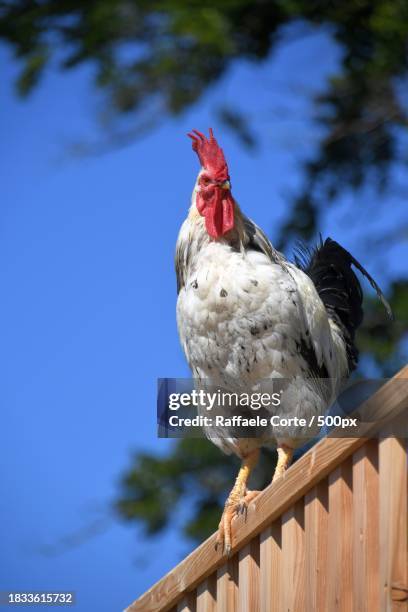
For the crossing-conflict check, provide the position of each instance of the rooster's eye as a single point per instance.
(205, 180)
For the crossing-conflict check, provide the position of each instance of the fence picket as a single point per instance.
(227, 586)
(248, 591)
(366, 528)
(270, 568)
(293, 558)
(393, 525)
(316, 545)
(340, 549)
(207, 595)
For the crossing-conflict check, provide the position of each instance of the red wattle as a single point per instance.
(217, 208)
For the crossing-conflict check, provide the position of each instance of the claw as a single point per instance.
(231, 511)
(242, 508)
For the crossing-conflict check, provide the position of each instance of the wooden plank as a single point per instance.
(248, 582)
(316, 545)
(386, 404)
(393, 525)
(227, 586)
(207, 595)
(339, 572)
(366, 528)
(270, 575)
(188, 603)
(293, 559)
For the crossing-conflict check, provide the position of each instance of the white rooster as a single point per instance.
(246, 314)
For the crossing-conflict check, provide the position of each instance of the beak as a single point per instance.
(225, 185)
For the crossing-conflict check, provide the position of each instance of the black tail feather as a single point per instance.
(329, 267)
(372, 282)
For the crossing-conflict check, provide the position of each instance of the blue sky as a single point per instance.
(88, 305)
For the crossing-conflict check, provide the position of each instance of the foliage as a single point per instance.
(383, 341)
(153, 58)
(194, 475)
(156, 57)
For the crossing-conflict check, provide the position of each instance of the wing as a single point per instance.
(320, 345)
(257, 241)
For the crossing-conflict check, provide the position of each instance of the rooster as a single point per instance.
(246, 314)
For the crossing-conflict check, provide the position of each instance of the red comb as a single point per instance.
(211, 156)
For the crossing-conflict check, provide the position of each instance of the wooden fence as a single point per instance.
(330, 535)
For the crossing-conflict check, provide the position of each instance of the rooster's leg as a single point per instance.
(285, 454)
(237, 501)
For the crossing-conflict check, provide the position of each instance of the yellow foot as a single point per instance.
(285, 455)
(233, 507)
